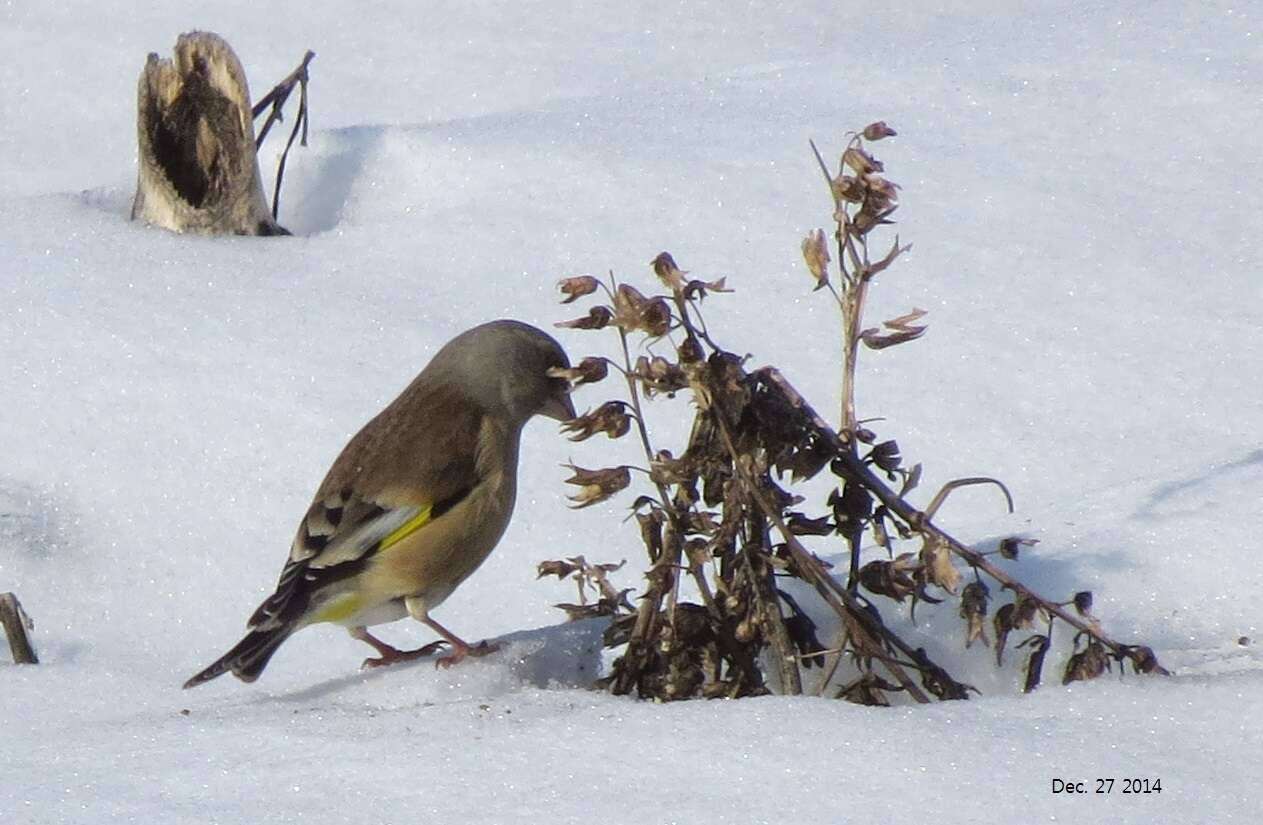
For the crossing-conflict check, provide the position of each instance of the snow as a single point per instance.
(1079, 184)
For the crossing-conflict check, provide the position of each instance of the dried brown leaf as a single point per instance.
(895, 251)
(558, 568)
(904, 322)
(911, 480)
(874, 339)
(802, 525)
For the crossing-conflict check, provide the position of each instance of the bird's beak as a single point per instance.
(559, 405)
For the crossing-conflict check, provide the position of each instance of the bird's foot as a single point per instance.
(392, 655)
(459, 653)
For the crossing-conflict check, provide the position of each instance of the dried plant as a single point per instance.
(273, 103)
(723, 516)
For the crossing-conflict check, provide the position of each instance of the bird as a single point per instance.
(416, 500)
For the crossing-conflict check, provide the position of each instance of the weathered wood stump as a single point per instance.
(198, 170)
(16, 623)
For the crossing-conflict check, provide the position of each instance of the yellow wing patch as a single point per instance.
(347, 605)
(340, 609)
(406, 529)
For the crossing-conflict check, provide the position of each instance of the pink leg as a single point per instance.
(460, 649)
(388, 655)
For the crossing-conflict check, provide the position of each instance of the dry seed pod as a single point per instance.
(690, 351)
(1010, 546)
(881, 192)
(936, 559)
(1090, 663)
(658, 375)
(862, 162)
(892, 579)
(578, 286)
(1035, 664)
(852, 505)
(651, 532)
(973, 609)
(655, 317)
(629, 303)
(597, 485)
(816, 254)
(666, 469)
(1003, 625)
(560, 569)
(588, 371)
(700, 289)
(885, 455)
(1025, 609)
(610, 418)
(666, 270)
(1143, 660)
(877, 131)
(598, 317)
(848, 188)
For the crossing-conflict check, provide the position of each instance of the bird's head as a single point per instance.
(506, 366)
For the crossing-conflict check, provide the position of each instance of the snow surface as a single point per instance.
(1081, 183)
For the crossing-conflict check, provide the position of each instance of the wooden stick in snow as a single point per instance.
(16, 623)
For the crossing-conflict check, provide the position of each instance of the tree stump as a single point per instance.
(198, 169)
(16, 623)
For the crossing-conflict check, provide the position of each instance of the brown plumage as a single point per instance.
(416, 500)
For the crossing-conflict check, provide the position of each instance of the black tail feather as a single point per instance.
(247, 658)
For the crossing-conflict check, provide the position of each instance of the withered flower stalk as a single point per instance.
(724, 512)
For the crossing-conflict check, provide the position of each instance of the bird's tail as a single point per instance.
(248, 657)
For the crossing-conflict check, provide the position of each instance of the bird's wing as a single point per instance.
(366, 528)
(357, 515)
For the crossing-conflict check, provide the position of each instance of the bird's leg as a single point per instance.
(460, 649)
(388, 655)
